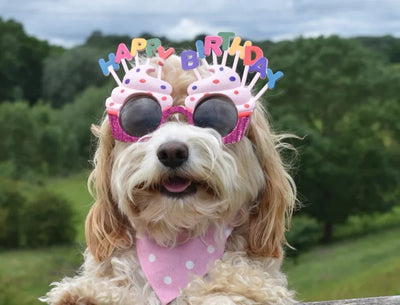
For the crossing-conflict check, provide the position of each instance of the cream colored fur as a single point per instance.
(244, 184)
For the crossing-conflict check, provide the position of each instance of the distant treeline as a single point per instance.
(341, 95)
(34, 70)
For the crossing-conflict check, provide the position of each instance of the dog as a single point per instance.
(180, 186)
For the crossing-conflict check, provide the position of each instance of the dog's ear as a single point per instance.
(272, 213)
(106, 228)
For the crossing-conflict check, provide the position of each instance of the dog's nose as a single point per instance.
(173, 154)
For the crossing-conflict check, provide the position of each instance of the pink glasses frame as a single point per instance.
(234, 136)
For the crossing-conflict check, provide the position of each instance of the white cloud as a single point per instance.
(187, 29)
(71, 21)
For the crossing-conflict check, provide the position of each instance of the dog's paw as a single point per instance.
(70, 299)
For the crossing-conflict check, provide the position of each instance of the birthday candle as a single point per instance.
(244, 77)
(163, 54)
(249, 51)
(111, 63)
(226, 39)
(204, 61)
(212, 43)
(260, 66)
(152, 46)
(200, 49)
(254, 80)
(215, 60)
(115, 76)
(224, 58)
(226, 43)
(273, 77)
(235, 46)
(138, 44)
(235, 61)
(189, 60)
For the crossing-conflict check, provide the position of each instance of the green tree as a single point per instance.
(39, 140)
(21, 58)
(335, 93)
(33, 141)
(108, 43)
(389, 46)
(49, 220)
(305, 232)
(19, 137)
(50, 139)
(67, 75)
(75, 120)
(11, 214)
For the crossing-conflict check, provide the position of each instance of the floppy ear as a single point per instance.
(106, 228)
(268, 219)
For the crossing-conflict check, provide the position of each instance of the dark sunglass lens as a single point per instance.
(140, 115)
(216, 112)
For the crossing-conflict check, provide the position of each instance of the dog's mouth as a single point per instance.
(177, 186)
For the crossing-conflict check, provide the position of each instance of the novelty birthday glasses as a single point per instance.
(142, 103)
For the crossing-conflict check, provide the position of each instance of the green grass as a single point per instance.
(359, 225)
(364, 267)
(74, 189)
(25, 275)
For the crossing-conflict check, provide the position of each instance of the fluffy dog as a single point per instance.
(172, 187)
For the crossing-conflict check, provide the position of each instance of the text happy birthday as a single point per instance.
(252, 56)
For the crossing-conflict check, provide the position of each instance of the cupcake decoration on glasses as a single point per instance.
(223, 100)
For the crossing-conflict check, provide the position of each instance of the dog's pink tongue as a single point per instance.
(177, 185)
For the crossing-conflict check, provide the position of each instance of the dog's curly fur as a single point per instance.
(243, 184)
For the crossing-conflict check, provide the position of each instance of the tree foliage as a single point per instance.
(49, 220)
(41, 140)
(388, 46)
(332, 95)
(305, 233)
(19, 137)
(106, 43)
(11, 214)
(42, 219)
(75, 120)
(21, 58)
(67, 75)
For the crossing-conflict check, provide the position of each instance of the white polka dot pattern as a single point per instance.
(210, 249)
(152, 258)
(168, 269)
(189, 265)
(167, 280)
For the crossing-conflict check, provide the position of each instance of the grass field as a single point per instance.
(25, 275)
(359, 267)
(74, 189)
(363, 267)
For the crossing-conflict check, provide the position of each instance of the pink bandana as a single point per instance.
(168, 269)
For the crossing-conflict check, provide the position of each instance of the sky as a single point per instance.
(70, 22)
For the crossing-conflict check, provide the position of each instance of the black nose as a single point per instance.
(173, 154)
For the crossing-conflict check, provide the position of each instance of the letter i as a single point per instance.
(200, 49)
